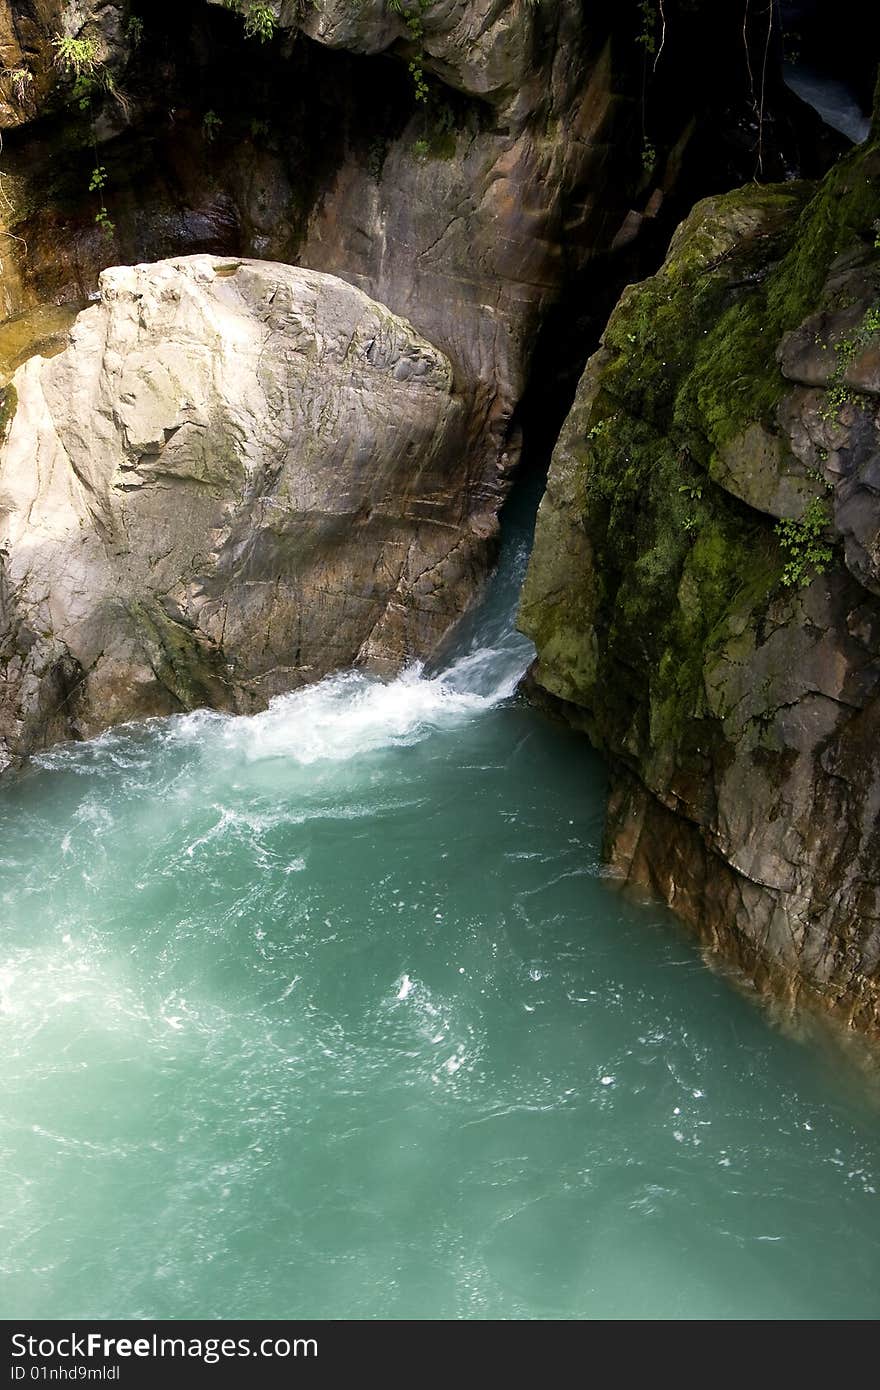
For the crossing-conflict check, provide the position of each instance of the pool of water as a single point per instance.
(331, 1012)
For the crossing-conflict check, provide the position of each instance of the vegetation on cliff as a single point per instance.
(691, 593)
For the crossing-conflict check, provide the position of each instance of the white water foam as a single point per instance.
(349, 714)
(831, 99)
(346, 716)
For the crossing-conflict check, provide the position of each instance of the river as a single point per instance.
(331, 1012)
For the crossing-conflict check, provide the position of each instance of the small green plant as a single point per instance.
(420, 86)
(98, 179)
(806, 551)
(259, 18)
(211, 124)
(259, 130)
(102, 220)
(412, 16)
(134, 30)
(75, 57)
(21, 81)
(421, 149)
(836, 397)
(77, 60)
(646, 37)
(848, 348)
(600, 428)
(85, 88)
(649, 156)
(693, 491)
(259, 22)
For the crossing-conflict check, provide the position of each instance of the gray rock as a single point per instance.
(478, 46)
(237, 477)
(471, 234)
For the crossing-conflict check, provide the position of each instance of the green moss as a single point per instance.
(443, 145)
(8, 407)
(736, 378)
(673, 555)
(671, 551)
(665, 568)
(664, 328)
(183, 665)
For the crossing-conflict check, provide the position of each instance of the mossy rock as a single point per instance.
(664, 603)
(670, 552)
(8, 407)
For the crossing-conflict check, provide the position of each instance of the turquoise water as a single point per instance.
(330, 1012)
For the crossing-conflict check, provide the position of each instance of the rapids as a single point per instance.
(332, 1012)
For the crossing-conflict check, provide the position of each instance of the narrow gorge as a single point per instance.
(439, 659)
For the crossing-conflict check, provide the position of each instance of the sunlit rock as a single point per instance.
(237, 477)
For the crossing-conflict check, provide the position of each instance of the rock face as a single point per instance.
(476, 217)
(704, 588)
(463, 214)
(237, 477)
(470, 219)
(29, 72)
(523, 160)
(538, 146)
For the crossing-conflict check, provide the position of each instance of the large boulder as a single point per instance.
(704, 586)
(236, 477)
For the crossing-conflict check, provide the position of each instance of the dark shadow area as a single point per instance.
(212, 142)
